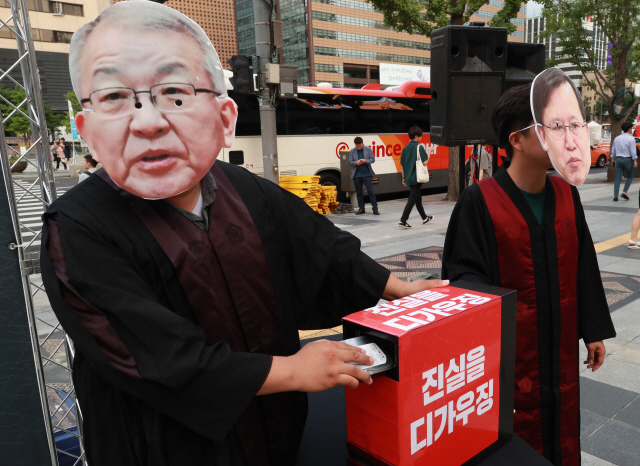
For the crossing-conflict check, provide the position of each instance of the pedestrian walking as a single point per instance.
(53, 151)
(67, 150)
(408, 160)
(479, 165)
(361, 158)
(61, 157)
(623, 156)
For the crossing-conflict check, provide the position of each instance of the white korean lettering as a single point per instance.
(415, 445)
(430, 295)
(457, 380)
(395, 323)
(450, 306)
(430, 317)
(411, 302)
(465, 407)
(471, 299)
(475, 364)
(443, 413)
(484, 400)
(384, 307)
(452, 416)
(432, 381)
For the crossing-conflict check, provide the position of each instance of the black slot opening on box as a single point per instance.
(387, 343)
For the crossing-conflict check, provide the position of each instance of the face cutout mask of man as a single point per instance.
(155, 110)
(559, 116)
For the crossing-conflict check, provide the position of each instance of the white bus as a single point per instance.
(314, 127)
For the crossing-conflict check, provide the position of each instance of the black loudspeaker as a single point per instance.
(468, 65)
(524, 62)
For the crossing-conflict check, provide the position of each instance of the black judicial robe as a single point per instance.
(494, 238)
(175, 328)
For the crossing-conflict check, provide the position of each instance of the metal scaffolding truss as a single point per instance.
(51, 347)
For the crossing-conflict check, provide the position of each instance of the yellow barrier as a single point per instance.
(322, 199)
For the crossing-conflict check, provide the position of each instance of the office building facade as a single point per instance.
(344, 42)
(218, 19)
(52, 25)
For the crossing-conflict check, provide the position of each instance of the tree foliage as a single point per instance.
(619, 20)
(19, 123)
(422, 16)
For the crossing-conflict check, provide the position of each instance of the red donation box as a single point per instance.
(448, 400)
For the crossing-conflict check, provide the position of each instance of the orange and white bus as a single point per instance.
(313, 129)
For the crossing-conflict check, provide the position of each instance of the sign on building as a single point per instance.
(392, 74)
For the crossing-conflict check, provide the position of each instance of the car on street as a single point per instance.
(599, 156)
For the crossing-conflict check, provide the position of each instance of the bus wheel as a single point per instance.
(331, 179)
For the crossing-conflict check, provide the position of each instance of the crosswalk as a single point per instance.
(30, 210)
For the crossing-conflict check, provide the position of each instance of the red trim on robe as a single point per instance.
(568, 252)
(515, 263)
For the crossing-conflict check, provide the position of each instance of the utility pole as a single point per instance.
(262, 22)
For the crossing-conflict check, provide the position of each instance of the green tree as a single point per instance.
(17, 123)
(619, 20)
(423, 16)
(587, 108)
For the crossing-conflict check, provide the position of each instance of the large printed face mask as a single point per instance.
(155, 111)
(560, 124)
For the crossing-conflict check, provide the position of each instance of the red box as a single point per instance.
(449, 400)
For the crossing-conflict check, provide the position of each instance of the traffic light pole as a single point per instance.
(262, 18)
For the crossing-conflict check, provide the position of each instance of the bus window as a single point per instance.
(248, 114)
(366, 115)
(406, 113)
(314, 114)
(236, 157)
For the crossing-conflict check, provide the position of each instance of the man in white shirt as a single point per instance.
(624, 149)
(90, 166)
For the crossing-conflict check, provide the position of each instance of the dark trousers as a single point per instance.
(58, 159)
(368, 182)
(623, 164)
(415, 199)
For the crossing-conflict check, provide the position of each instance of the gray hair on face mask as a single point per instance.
(143, 15)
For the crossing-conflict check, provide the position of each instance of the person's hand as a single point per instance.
(396, 288)
(403, 183)
(595, 357)
(322, 365)
(635, 163)
(613, 162)
(421, 285)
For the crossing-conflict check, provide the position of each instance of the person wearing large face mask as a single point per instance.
(560, 124)
(185, 315)
(525, 230)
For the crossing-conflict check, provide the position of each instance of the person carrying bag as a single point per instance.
(422, 172)
(413, 161)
